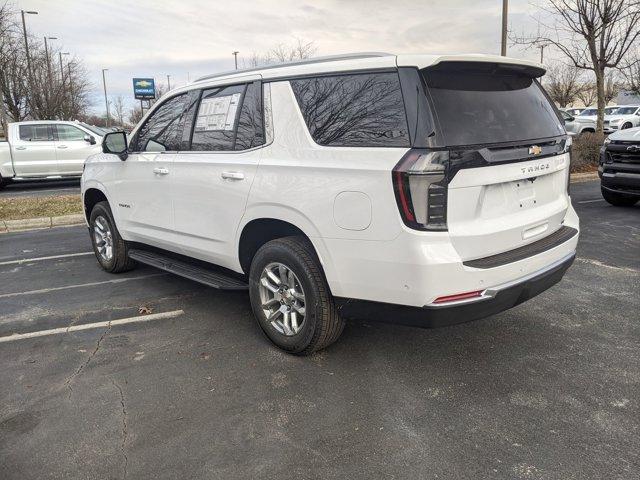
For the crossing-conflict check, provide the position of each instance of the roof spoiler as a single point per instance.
(529, 69)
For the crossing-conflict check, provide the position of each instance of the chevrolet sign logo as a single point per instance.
(535, 150)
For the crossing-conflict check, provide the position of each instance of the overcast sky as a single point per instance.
(190, 38)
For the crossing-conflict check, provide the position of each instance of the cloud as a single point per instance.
(192, 38)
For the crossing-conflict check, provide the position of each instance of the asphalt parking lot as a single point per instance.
(548, 390)
(47, 188)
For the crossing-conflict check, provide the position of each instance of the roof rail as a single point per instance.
(310, 61)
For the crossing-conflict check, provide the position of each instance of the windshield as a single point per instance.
(480, 105)
(94, 129)
(588, 112)
(626, 110)
(610, 110)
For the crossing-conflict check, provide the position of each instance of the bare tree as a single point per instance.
(594, 35)
(135, 115)
(283, 52)
(119, 109)
(562, 83)
(587, 93)
(611, 88)
(630, 70)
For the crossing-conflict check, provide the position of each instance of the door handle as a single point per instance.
(161, 171)
(62, 146)
(233, 175)
(21, 148)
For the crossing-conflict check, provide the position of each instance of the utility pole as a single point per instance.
(505, 8)
(61, 67)
(106, 102)
(235, 56)
(46, 52)
(168, 82)
(541, 47)
(72, 110)
(26, 42)
(3, 113)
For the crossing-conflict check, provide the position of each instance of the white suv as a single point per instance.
(418, 189)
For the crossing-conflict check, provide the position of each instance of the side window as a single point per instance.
(36, 133)
(163, 131)
(250, 129)
(69, 133)
(217, 119)
(360, 110)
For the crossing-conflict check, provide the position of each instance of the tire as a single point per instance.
(625, 126)
(321, 325)
(100, 219)
(618, 199)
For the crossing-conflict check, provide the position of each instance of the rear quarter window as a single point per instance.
(359, 110)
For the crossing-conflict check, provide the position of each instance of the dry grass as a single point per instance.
(20, 207)
(586, 152)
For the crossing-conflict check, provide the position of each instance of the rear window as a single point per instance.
(481, 106)
(361, 110)
(35, 133)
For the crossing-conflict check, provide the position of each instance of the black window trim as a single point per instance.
(349, 73)
(259, 83)
(50, 132)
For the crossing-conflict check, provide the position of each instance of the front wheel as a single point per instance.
(108, 245)
(618, 199)
(290, 297)
(625, 126)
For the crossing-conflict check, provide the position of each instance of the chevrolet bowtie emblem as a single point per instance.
(535, 150)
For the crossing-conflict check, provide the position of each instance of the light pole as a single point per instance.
(71, 109)
(505, 8)
(235, 57)
(61, 67)
(46, 52)
(26, 42)
(541, 47)
(168, 82)
(104, 85)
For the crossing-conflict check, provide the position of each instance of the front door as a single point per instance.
(34, 150)
(72, 149)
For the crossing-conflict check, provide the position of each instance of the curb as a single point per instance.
(584, 177)
(7, 226)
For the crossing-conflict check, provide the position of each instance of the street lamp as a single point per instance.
(505, 15)
(168, 82)
(235, 56)
(26, 42)
(104, 85)
(46, 52)
(61, 67)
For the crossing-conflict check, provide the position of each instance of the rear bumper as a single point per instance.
(493, 300)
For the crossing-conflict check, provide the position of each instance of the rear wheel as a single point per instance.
(290, 297)
(618, 199)
(108, 245)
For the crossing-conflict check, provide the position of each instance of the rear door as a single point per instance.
(72, 149)
(508, 155)
(212, 177)
(34, 150)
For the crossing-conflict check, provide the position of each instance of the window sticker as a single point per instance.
(217, 113)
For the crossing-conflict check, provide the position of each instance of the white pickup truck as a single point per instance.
(46, 149)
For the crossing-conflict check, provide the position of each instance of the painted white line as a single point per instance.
(92, 284)
(39, 259)
(88, 326)
(592, 201)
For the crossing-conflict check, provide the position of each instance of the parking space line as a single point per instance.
(88, 326)
(52, 257)
(92, 284)
(592, 201)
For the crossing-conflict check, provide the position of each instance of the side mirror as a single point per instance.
(90, 139)
(116, 143)
(570, 118)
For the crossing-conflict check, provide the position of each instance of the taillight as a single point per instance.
(420, 185)
(568, 142)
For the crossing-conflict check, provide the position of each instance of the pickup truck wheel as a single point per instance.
(108, 245)
(625, 126)
(618, 199)
(290, 297)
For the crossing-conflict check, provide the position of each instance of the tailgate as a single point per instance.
(496, 208)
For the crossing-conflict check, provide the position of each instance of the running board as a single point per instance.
(197, 273)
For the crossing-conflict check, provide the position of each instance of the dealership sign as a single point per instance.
(144, 88)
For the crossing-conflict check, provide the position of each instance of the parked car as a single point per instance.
(46, 149)
(625, 116)
(619, 168)
(573, 111)
(373, 185)
(591, 113)
(577, 125)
